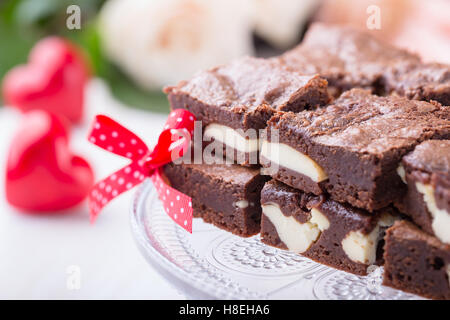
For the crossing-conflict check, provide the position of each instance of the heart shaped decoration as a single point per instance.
(42, 173)
(53, 80)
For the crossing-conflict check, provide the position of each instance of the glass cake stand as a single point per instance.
(213, 264)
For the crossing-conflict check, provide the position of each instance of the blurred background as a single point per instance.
(138, 46)
(132, 49)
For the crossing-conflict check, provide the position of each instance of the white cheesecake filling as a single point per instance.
(440, 217)
(401, 172)
(448, 274)
(286, 156)
(361, 247)
(297, 236)
(232, 138)
(242, 204)
(319, 219)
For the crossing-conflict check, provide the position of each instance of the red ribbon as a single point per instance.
(172, 143)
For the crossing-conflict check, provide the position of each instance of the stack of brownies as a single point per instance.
(340, 151)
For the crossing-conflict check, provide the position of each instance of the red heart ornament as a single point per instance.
(53, 80)
(42, 173)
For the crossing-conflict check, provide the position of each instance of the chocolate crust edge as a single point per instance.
(416, 262)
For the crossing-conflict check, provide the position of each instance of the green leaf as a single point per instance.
(124, 90)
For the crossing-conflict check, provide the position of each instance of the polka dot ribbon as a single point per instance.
(172, 143)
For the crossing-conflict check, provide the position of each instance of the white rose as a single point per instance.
(159, 42)
(279, 22)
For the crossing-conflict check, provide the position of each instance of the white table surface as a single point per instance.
(37, 252)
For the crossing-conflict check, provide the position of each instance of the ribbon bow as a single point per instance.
(172, 143)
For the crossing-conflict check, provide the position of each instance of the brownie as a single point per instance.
(416, 262)
(351, 148)
(227, 196)
(426, 170)
(350, 58)
(236, 100)
(419, 81)
(324, 230)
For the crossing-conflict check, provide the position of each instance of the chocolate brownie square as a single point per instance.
(416, 262)
(346, 57)
(234, 101)
(419, 81)
(349, 58)
(426, 170)
(324, 230)
(227, 196)
(351, 148)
